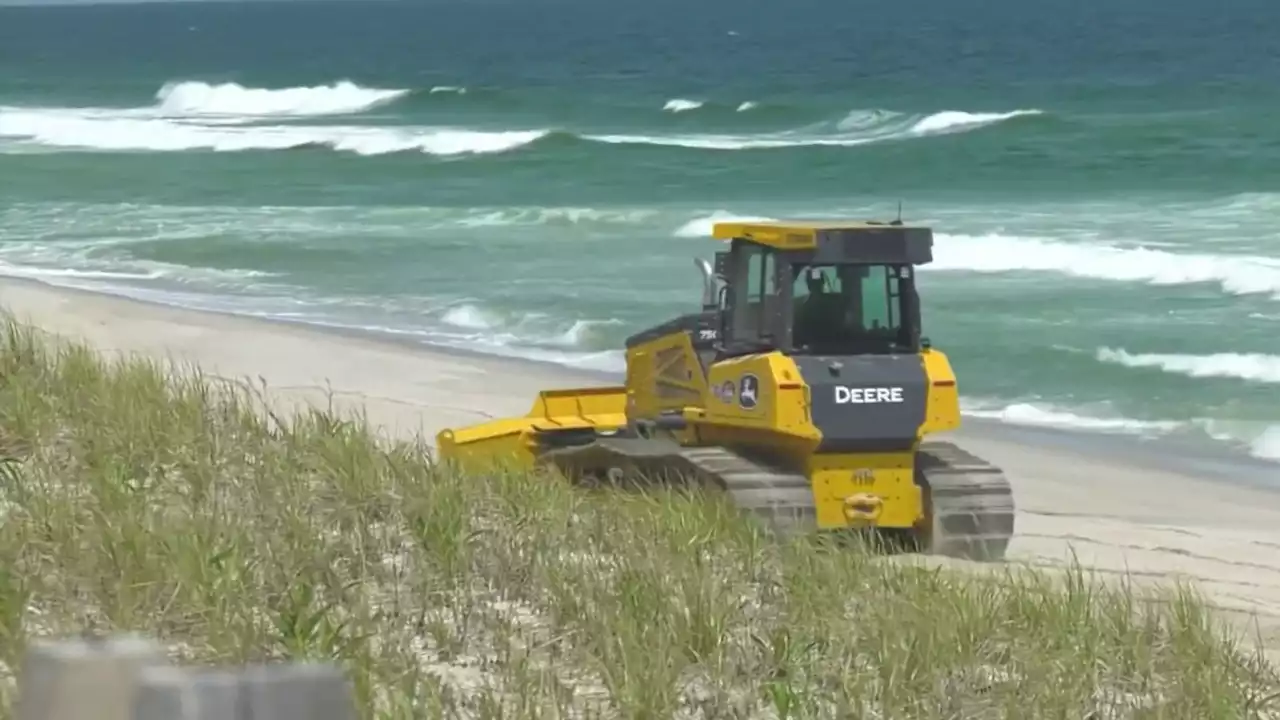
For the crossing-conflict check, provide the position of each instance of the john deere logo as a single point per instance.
(748, 391)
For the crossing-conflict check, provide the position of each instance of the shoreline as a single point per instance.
(1116, 510)
(1206, 458)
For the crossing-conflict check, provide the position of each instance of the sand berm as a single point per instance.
(136, 495)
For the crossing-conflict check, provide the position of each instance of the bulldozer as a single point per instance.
(804, 389)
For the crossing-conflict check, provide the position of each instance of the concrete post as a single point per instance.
(261, 692)
(85, 678)
(127, 678)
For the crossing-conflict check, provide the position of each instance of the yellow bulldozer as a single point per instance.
(803, 389)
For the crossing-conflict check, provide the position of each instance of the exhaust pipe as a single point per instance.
(710, 300)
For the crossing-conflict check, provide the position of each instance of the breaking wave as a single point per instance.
(530, 328)
(857, 128)
(1267, 446)
(577, 343)
(69, 129)
(677, 105)
(702, 226)
(228, 117)
(680, 105)
(1254, 367)
(195, 99)
(1234, 274)
(192, 115)
(91, 252)
(1259, 441)
(1050, 416)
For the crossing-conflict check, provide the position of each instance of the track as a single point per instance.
(971, 501)
(782, 500)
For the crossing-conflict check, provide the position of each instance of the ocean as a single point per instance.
(532, 178)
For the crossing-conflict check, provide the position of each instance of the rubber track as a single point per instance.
(970, 499)
(784, 501)
(971, 503)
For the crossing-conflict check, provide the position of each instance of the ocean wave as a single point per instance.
(68, 129)
(1234, 274)
(583, 343)
(515, 216)
(132, 271)
(529, 328)
(703, 226)
(996, 253)
(1267, 445)
(195, 103)
(857, 128)
(587, 343)
(679, 105)
(1254, 367)
(471, 325)
(1259, 440)
(958, 120)
(229, 118)
(191, 98)
(62, 227)
(1052, 416)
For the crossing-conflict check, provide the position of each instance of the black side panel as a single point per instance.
(866, 403)
(693, 323)
(703, 329)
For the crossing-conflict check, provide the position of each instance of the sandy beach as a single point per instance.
(1148, 519)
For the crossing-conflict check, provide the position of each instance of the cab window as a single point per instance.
(848, 309)
(879, 298)
(760, 296)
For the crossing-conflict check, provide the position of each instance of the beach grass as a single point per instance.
(136, 496)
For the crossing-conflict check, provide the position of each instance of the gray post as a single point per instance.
(128, 678)
(81, 679)
(261, 692)
(177, 694)
(297, 692)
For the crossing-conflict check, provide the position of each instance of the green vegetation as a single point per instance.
(136, 497)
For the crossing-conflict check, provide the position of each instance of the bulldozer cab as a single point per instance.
(819, 288)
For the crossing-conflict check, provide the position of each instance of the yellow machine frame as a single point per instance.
(676, 390)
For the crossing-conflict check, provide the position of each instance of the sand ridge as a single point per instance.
(1114, 518)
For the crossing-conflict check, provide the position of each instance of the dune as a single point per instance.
(1147, 521)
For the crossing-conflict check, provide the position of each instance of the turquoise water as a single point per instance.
(533, 178)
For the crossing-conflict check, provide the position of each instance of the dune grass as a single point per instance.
(137, 497)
